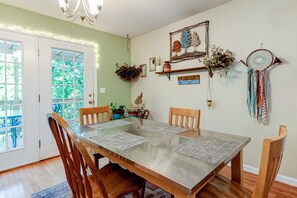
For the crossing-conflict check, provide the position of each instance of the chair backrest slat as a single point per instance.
(272, 153)
(187, 122)
(93, 115)
(176, 120)
(188, 118)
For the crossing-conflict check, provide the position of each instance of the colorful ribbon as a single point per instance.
(257, 96)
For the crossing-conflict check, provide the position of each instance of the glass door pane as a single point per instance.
(11, 99)
(67, 84)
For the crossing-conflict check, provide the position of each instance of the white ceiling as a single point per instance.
(122, 17)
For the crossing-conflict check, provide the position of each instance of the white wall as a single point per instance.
(240, 26)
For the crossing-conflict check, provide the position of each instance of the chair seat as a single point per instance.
(117, 181)
(222, 187)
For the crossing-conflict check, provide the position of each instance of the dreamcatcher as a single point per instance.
(258, 62)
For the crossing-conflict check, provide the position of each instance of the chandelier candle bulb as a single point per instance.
(63, 5)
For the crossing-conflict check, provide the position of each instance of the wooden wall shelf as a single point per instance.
(182, 70)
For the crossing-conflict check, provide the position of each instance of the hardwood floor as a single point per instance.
(279, 190)
(22, 182)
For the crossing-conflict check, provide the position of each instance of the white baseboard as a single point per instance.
(280, 178)
(2, 169)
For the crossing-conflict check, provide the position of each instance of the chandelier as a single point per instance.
(91, 9)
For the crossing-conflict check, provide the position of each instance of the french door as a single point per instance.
(38, 76)
(66, 73)
(18, 99)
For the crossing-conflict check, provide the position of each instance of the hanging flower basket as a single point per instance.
(127, 72)
(219, 59)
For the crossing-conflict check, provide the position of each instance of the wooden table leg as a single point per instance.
(180, 194)
(237, 168)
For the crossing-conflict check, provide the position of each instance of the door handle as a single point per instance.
(90, 101)
(90, 95)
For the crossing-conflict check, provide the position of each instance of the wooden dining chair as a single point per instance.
(187, 118)
(83, 177)
(93, 115)
(272, 153)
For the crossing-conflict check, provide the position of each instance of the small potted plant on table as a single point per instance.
(117, 111)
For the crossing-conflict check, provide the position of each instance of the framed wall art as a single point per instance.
(152, 63)
(144, 68)
(189, 42)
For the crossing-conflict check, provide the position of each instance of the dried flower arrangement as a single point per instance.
(127, 72)
(220, 59)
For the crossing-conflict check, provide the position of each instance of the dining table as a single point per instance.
(178, 160)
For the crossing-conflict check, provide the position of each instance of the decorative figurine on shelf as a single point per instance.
(138, 100)
(134, 110)
(138, 110)
(166, 66)
(159, 67)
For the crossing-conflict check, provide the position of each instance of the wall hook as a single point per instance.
(128, 43)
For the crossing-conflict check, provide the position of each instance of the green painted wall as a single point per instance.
(112, 49)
